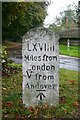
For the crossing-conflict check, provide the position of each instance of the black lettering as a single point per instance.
(35, 49)
(26, 57)
(38, 67)
(49, 86)
(33, 67)
(43, 67)
(52, 67)
(35, 58)
(27, 86)
(36, 75)
(41, 47)
(50, 48)
(37, 86)
(41, 86)
(47, 67)
(53, 47)
(29, 74)
(44, 77)
(53, 85)
(45, 57)
(28, 47)
(50, 77)
(50, 58)
(32, 86)
(40, 76)
(45, 86)
(39, 58)
(45, 46)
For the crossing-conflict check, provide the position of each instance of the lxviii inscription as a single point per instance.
(40, 47)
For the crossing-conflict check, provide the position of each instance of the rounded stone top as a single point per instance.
(39, 31)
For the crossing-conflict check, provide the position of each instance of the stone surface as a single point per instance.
(40, 59)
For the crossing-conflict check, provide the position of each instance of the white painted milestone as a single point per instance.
(40, 59)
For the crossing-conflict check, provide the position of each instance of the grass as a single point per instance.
(73, 50)
(68, 103)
